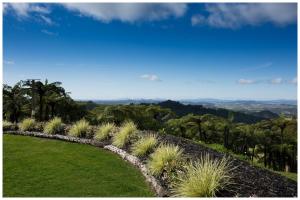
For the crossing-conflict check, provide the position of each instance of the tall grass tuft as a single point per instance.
(6, 124)
(80, 128)
(104, 131)
(144, 145)
(53, 126)
(203, 178)
(165, 157)
(127, 130)
(27, 124)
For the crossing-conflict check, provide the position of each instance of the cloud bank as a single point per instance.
(24, 9)
(275, 81)
(128, 12)
(150, 77)
(237, 15)
(245, 81)
(8, 62)
(218, 15)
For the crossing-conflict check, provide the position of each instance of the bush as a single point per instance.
(53, 126)
(127, 130)
(6, 125)
(144, 145)
(203, 178)
(80, 128)
(165, 157)
(104, 131)
(27, 124)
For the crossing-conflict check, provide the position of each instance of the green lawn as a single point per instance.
(35, 167)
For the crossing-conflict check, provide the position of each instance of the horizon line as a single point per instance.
(183, 99)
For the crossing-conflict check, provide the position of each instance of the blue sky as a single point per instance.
(174, 51)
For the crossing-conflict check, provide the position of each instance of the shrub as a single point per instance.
(127, 130)
(6, 125)
(53, 126)
(9, 126)
(104, 131)
(165, 157)
(80, 128)
(27, 124)
(203, 178)
(144, 145)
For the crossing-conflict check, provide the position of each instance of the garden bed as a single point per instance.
(248, 180)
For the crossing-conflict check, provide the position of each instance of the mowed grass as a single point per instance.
(36, 167)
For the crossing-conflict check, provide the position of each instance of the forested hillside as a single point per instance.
(271, 143)
(181, 110)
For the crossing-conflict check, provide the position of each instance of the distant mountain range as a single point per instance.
(197, 101)
(181, 110)
(256, 108)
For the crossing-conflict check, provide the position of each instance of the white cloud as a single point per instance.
(233, 16)
(150, 77)
(8, 62)
(245, 81)
(47, 20)
(39, 9)
(277, 81)
(294, 81)
(128, 12)
(262, 66)
(49, 32)
(24, 9)
(197, 19)
(5, 6)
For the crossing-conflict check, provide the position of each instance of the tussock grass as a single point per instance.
(165, 157)
(144, 145)
(6, 124)
(27, 124)
(104, 131)
(53, 126)
(203, 178)
(127, 130)
(80, 128)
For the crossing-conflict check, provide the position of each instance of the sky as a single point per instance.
(152, 50)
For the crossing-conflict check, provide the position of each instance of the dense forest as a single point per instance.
(270, 142)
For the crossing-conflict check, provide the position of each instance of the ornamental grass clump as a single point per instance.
(6, 125)
(80, 128)
(127, 130)
(104, 131)
(144, 145)
(27, 124)
(203, 178)
(165, 158)
(54, 126)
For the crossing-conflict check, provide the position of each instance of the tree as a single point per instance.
(195, 121)
(14, 101)
(30, 89)
(42, 89)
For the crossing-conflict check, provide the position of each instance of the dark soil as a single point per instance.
(248, 180)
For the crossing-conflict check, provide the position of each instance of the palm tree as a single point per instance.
(53, 96)
(228, 124)
(196, 121)
(14, 100)
(30, 89)
(42, 89)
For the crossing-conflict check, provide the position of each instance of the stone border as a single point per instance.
(155, 185)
